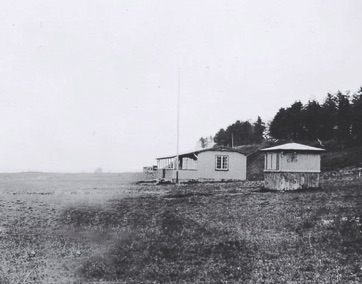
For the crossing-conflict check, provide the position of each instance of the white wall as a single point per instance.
(293, 162)
(304, 162)
(206, 166)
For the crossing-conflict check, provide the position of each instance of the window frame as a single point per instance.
(222, 163)
(269, 159)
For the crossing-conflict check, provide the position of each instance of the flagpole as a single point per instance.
(178, 125)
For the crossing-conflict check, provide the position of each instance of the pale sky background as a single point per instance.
(87, 84)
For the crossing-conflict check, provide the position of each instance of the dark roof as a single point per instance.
(293, 147)
(248, 149)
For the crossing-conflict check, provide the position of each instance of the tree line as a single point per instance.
(241, 133)
(337, 120)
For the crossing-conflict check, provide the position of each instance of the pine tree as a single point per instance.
(356, 119)
(259, 128)
(312, 118)
(344, 118)
(328, 118)
(278, 128)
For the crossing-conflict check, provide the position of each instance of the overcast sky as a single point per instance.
(87, 84)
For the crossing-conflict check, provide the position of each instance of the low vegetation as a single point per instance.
(86, 229)
(343, 158)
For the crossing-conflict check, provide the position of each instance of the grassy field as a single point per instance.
(86, 228)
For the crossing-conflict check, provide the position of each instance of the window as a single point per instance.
(189, 164)
(222, 163)
(272, 161)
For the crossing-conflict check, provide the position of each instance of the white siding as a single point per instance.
(236, 166)
(300, 162)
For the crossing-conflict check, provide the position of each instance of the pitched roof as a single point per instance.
(212, 149)
(293, 147)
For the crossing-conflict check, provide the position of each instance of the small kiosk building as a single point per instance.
(292, 166)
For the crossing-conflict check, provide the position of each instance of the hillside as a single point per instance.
(255, 160)
(255, 166)
(331, 160)
(343, 158)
